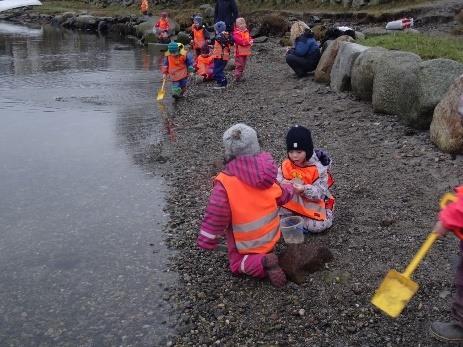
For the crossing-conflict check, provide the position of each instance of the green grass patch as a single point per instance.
(60, 6)
(426, 46)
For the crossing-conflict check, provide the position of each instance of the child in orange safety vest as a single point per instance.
(221, 53)
(309, 173)
(243, 207)
(205, 64)
(243, 42)
(161, 28)
(177, 64)
(199, 35)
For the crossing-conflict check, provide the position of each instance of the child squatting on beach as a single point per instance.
(243, 207)
(161, 28)
(451, 220)
(177, 64)
(308, 171)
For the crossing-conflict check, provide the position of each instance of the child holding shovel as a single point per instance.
(177, 64)
(451, 220)
(243, 207)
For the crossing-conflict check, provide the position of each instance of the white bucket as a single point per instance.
(292, 229)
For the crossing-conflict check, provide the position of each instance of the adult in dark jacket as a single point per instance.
(304, 56)
(226, 11)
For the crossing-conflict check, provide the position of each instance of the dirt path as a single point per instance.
(388, 181)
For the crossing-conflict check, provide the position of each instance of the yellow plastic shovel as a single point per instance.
(397, 288)
(161, 92)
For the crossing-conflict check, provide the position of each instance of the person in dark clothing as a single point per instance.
(226, 11)
(304, 56)
(334, 33)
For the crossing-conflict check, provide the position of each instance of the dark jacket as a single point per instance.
(305, 46)
(227, 11)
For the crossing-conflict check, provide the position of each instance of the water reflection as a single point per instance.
(77, 216)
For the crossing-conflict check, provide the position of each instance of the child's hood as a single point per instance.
(259, 171)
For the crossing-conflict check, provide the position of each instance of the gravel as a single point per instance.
(388, 182)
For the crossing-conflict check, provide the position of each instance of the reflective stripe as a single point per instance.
(243, 245)
(242, 264)
(256, 224)
(208, 235)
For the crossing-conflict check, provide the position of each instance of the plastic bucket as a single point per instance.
(292, 229)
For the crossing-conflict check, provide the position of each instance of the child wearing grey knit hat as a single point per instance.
(240, 139)
(243, 207)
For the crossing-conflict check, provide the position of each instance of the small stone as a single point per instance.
(301, 312)
(443, 294)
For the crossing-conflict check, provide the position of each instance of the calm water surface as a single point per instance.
(80, 201)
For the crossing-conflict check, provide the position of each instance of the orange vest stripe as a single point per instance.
(198, 37)
(204, 65)
(163, 24)
(243, 50)
(255, 220)
(177, 67)
(314, 209)
(221, 53)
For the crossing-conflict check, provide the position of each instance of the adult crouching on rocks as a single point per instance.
(304, 56)
(243, 207)
(226, 11)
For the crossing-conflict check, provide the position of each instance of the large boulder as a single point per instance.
(273, 25)
(342, 67)
(395, 89)
(434, 79)
(207, 12)
(363, 72)
(323, 70)
(446, 128)
(86, 22)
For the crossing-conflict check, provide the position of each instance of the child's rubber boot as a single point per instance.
(447, 331)
(176, 92)
(273, 270)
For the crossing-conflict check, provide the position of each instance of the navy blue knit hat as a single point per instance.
(300, 138)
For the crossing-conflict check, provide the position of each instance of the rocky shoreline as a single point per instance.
(388, 182)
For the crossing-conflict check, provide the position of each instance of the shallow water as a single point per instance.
(80, 202)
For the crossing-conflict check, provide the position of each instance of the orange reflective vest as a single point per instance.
(255, 220)
(144, 6)
(314, 209)
(198, 37)
(204, 65)
(241, 51)
(220, 52)
(162, 24)
(176, 68)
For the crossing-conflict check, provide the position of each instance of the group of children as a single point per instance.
(251, 194)
(207, 65)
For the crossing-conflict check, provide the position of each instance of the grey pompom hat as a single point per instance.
(240, 139)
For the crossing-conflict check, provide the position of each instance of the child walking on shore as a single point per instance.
(451, 220)
(243, 42)
(243, 207)
(221, 54)
(308, 171)
(177, 64)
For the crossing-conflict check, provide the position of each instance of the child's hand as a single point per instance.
(298, 188)
(440, 230)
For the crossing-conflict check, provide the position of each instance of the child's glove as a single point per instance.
(191, 69)
(323, 157)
